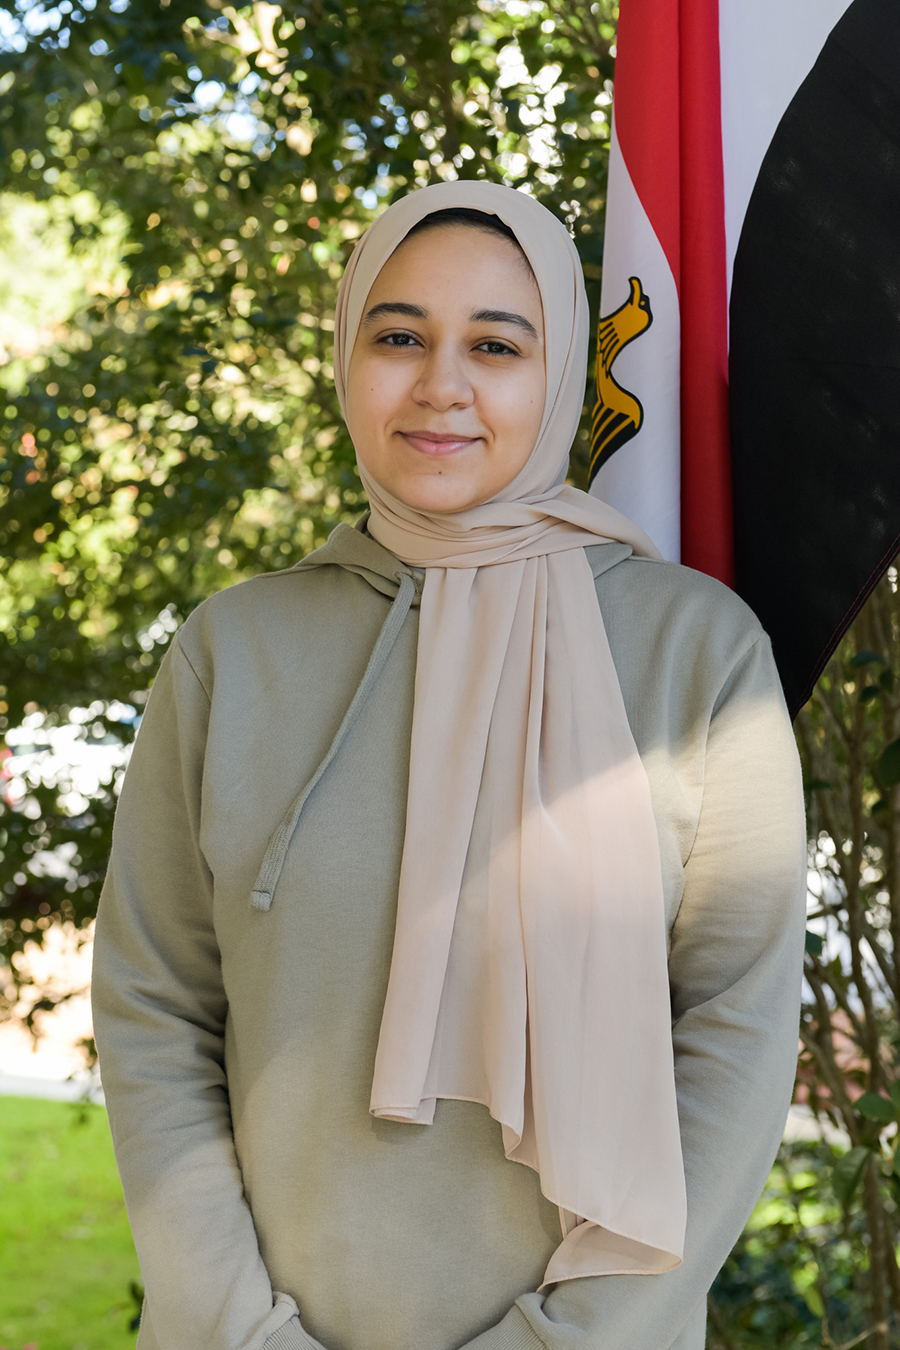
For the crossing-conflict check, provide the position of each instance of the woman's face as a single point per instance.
(446, 385)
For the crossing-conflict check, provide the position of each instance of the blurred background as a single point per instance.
(180, 186)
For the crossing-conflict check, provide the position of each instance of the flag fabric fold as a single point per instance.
(746, 411)
(815, 350)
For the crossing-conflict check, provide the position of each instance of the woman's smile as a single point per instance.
(437, 442)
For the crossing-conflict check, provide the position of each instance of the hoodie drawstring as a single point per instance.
(273, 862)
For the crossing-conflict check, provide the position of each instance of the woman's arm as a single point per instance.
(735, 969)
(159, 1015)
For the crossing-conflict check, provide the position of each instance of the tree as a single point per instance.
(818, 1264)
(182, 432)
(795, 1277)
(850, 1066)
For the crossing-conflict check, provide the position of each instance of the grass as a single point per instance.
(66, 1256)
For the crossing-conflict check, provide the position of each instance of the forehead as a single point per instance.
(453, 264)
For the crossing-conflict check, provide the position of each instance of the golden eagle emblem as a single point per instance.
(617, 414)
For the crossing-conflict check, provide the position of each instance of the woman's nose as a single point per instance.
(443, 381)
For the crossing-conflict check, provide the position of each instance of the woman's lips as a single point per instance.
(437, 443)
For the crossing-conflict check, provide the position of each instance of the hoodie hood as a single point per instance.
(351, 547)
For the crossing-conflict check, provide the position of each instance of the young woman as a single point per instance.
(475, 838)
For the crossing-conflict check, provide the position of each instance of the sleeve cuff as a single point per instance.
(291, 1336)
(515, 1332)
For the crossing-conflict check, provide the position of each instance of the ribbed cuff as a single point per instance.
(515, 1332)
(291, 1336)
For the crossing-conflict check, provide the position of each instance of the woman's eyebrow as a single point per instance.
(504, 316)
(396, 307)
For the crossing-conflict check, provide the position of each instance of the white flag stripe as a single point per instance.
(766, 51)
(642, 480)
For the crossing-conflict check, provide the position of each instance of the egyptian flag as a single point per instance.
(755, 164)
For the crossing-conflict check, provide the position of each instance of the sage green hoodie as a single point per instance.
(268, 1207)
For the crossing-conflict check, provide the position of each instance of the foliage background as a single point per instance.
(181, 184)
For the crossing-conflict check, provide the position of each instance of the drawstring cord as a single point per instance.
(280, 841)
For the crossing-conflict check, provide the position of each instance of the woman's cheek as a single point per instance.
(390, 391)
(519, 407)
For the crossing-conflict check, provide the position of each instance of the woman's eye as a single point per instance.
(397, 340)
(494, 347)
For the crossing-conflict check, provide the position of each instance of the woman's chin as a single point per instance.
(433, 498)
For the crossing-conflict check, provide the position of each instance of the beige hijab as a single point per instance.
(529, 963)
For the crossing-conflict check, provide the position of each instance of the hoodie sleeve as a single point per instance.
(159, 1014)
(735, 973)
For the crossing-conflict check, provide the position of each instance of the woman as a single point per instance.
(536, 893)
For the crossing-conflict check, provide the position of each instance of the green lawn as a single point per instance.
(66, 1255)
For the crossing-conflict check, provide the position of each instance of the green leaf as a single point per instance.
(813, 1301)
(847, 1173)
(865, 658)
(870, 692)
(875, 1107)
(886, 680)
(814, 943)
(894, 1093)
(889, 764)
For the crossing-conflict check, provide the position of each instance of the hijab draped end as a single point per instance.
(622, 1236)
(590, 1249)
(423, 1114)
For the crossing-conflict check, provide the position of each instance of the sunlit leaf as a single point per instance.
(813, 1300)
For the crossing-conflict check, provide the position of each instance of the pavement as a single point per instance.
(83, 1088)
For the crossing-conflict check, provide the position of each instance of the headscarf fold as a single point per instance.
(529, 969)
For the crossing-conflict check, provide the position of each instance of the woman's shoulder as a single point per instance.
(266, 598)
(326, 597)
(676, 597)
(674, 631)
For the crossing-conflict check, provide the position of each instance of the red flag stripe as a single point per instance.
(669, 127)
(647, 114)
(706, 503)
